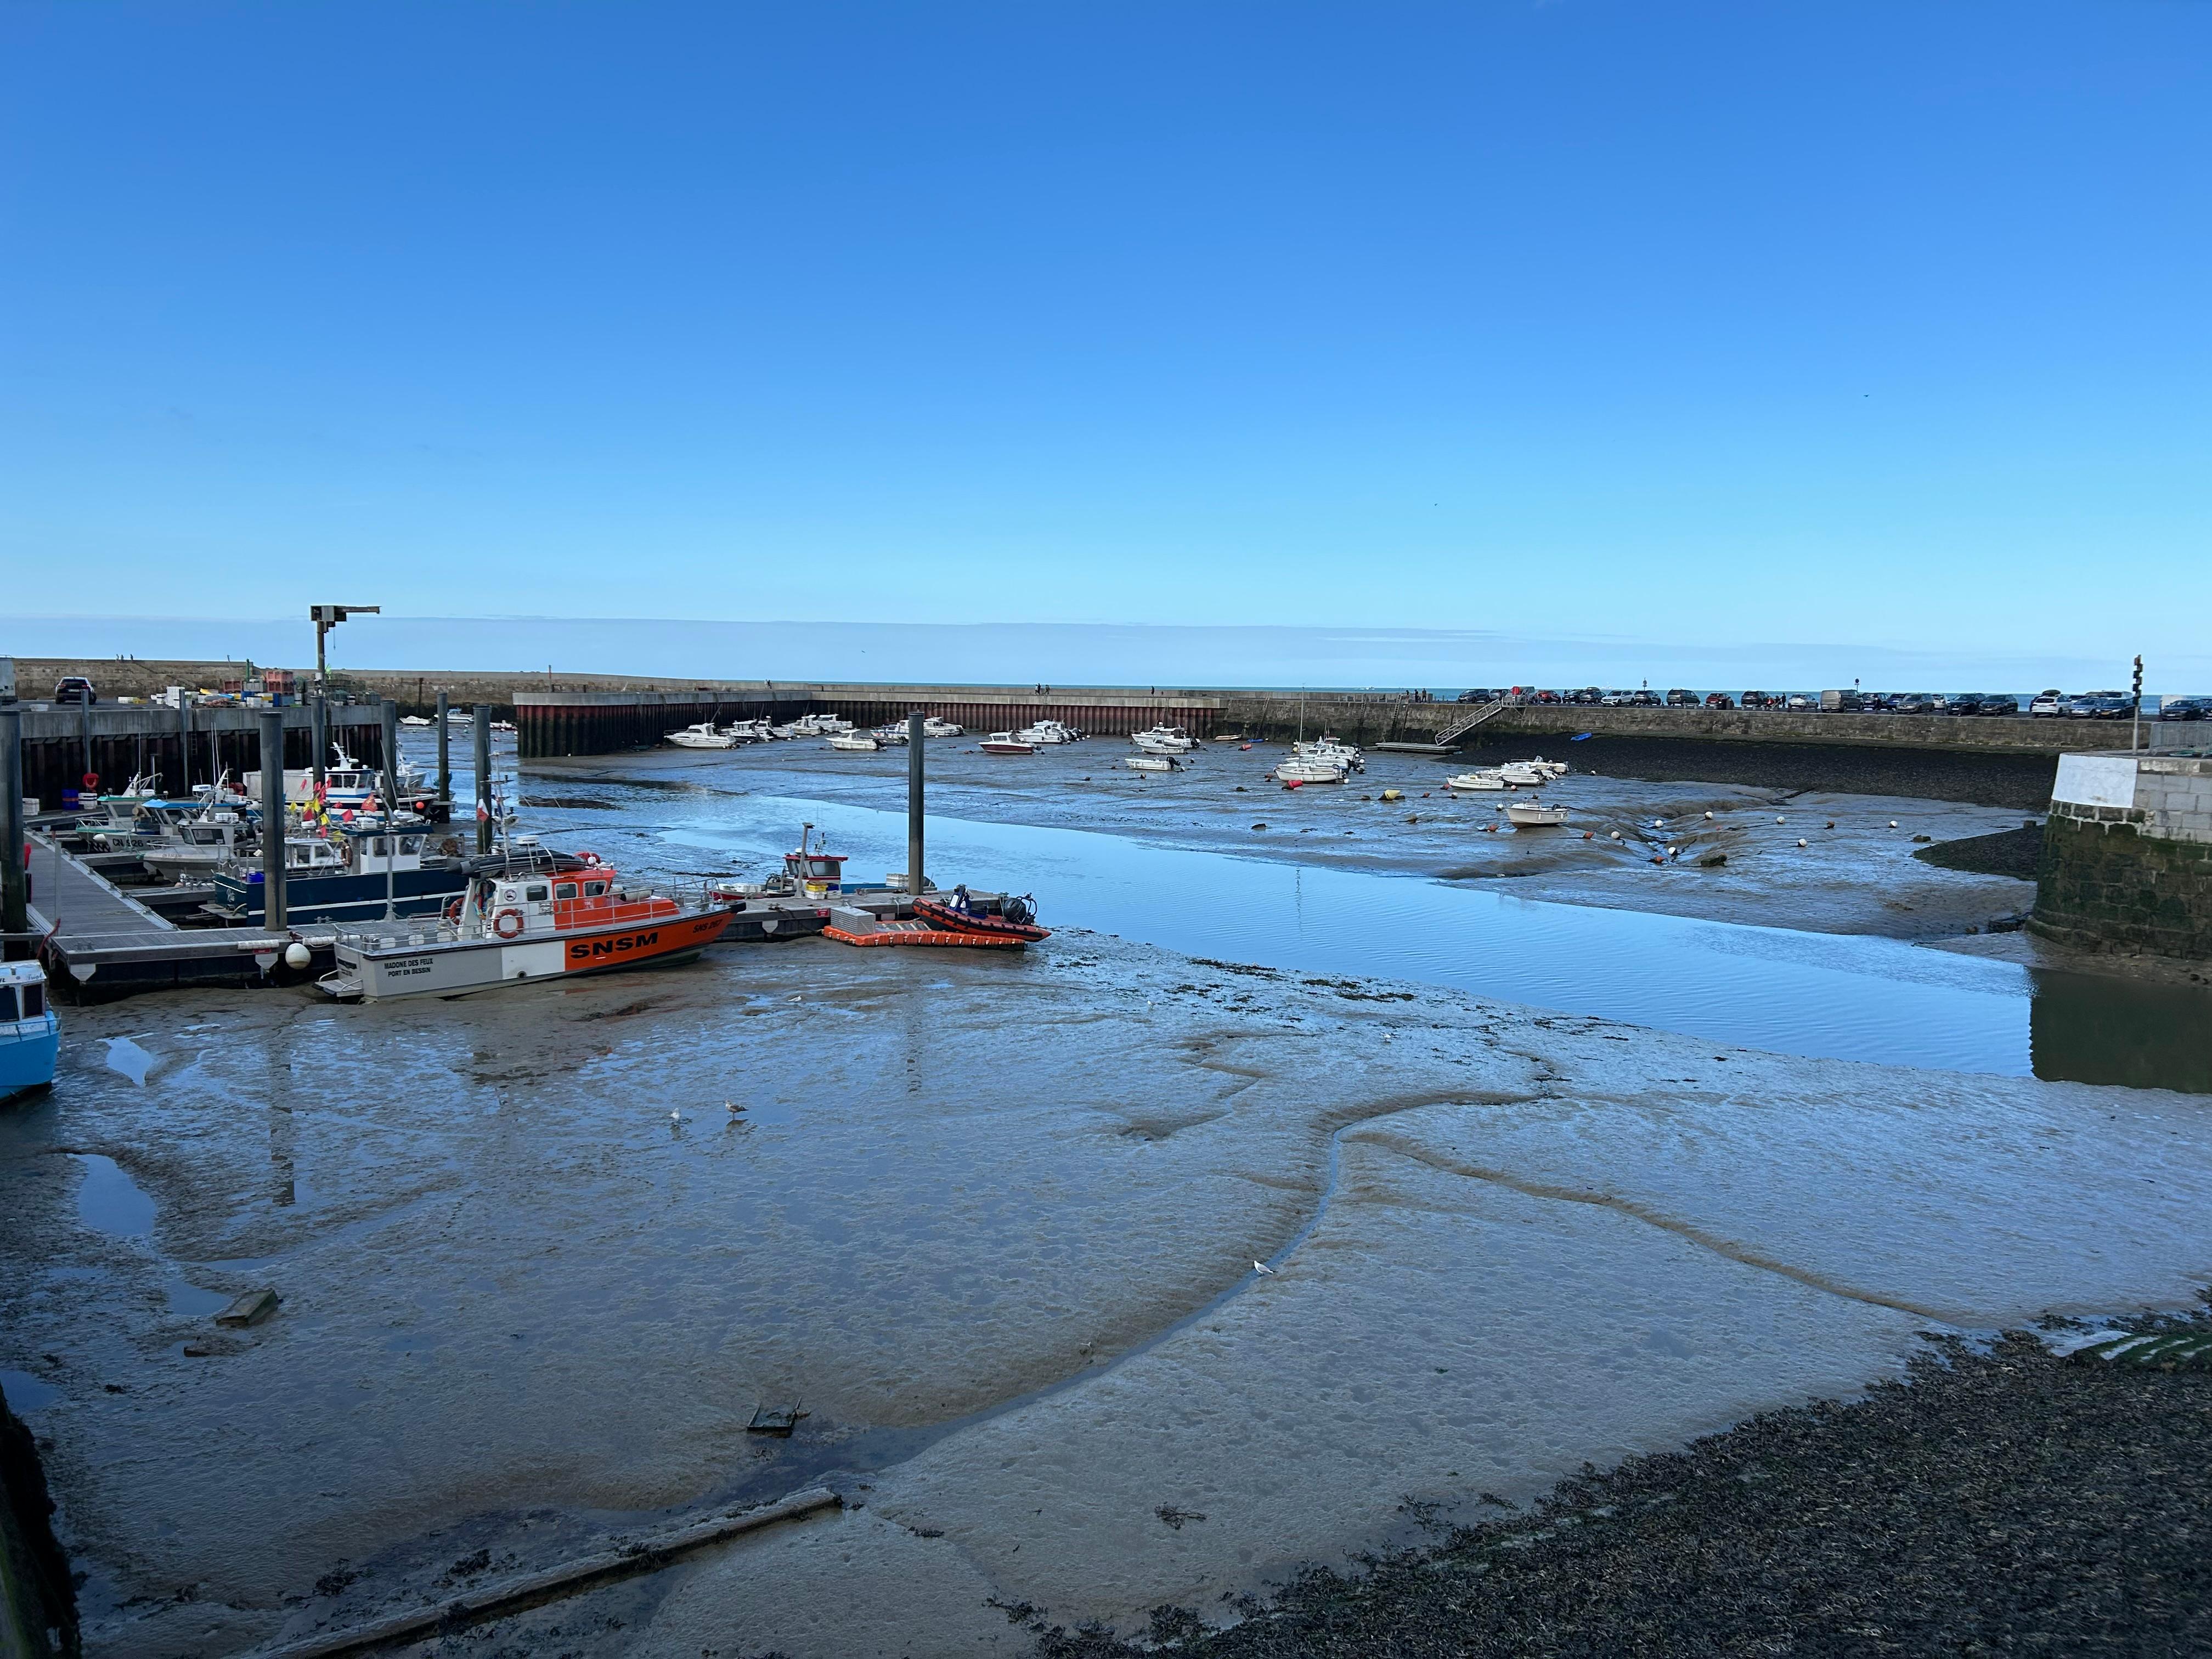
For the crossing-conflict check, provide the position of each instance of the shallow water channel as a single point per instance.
(1850, 997)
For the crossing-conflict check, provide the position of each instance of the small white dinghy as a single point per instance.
(1475, 781)
(852, 742)
(1152, 763)
(1534, 814)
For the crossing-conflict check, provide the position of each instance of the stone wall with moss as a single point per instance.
(2135, 877)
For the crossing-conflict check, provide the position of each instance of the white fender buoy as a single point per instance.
(1801, 840)
(1893, 823)
(297, 955)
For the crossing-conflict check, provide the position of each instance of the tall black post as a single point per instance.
(322, 738)
(15, 899)
(445, 756)
(482, 726)
(917, 882)
(84, 733)
(272, 819)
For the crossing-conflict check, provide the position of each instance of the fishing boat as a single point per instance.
(1487, 779)
(1007, 743)
(1154, 763)
(891, 733)
(30, 1034)
(351, 875)
(1165, 740)
(809, 871)
(179, 840)
(702, 736)
(755, 731)
(934, 727)
(527, 915)
(1521, 775)
(852, 742)
(1534, 814)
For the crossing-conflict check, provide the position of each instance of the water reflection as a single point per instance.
(1848, 996)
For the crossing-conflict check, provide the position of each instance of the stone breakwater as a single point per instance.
(2127, 855)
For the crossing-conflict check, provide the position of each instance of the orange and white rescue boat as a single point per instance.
(531, 916)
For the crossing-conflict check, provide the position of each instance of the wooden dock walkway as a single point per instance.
(103, 943)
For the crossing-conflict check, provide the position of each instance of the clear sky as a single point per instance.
(1863, 324)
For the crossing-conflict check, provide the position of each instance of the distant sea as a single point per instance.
(1022, 654)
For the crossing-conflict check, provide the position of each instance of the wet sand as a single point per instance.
(1856, 874)
(992, 1223)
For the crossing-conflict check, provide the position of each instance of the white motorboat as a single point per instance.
(414, 720)
(1327, 748)
(702, 736)
(1488, 779)
(934, 727)
(1521, 775)
(852, 745)
(812, 725)
(193, 844)
(1534, 814)
(891, 731)
(506, 727)
(1007, 743)
(1152, 764)
(1300, 771)
(1046, 733)
(1164, 740)
(748, 730)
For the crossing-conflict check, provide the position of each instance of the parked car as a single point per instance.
(1911, 703)
(1682, 700)
(1479, 695)
(2048, 705)
(2099, 706)
(1803, 702)
(1617, 699)
(1587, 697)
(75, 689)
(1719, 700)
(2186, 709)
(1963, 702)
(1990, 703)
(1759, 700)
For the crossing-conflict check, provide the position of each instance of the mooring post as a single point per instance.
(84, 733)
(917, 882)
(14, 900)
(272, 819)
(390, 710)
(482, 726)
(445, 756)
(320, 721)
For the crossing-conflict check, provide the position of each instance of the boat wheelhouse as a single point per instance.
(350, 875)
(30, 1034)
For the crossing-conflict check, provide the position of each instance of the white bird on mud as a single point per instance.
(1261, 1267)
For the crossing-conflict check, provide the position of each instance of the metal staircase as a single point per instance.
(1460, 728)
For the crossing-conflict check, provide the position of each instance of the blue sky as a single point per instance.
(1875, 326)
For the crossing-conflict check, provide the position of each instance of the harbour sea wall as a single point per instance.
(2127, 855)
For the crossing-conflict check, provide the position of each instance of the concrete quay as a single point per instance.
(2127, 856)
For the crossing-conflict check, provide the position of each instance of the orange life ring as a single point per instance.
(499, 924)
(453, 911)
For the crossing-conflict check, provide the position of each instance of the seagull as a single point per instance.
(1261, 1267)
(733, 1106)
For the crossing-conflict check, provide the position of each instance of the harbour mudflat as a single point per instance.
(992, 1222)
